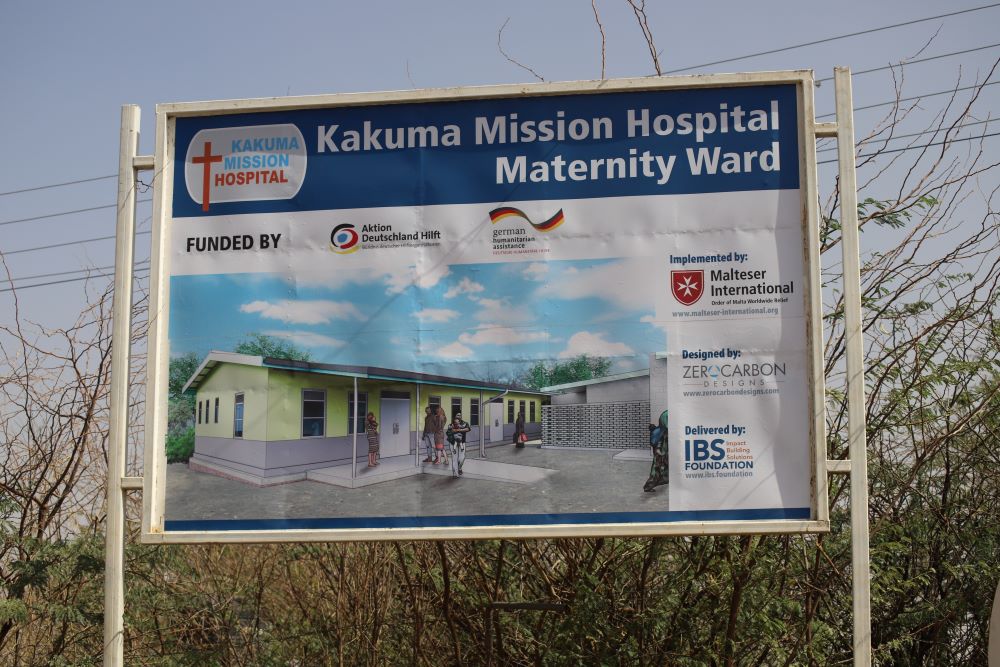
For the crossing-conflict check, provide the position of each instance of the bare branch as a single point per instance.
(640, 15)
(509, 58)
(604, 44)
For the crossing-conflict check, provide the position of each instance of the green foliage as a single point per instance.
(577, 369)
(180, 446)
(268, 346)
(181, 370)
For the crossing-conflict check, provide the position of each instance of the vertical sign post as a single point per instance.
(114, 555)
(860, 564)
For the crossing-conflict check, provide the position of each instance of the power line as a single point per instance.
(60, 245)
(57, 185)
(66, 280)
(915, 97)
(916, 134)
(681, 69)
(62, 213)
(903, 63)
(831, 39)
(912, 148)
(65, 273)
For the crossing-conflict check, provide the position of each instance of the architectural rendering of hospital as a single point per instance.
(270, 421)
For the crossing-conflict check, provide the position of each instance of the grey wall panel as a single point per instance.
(617, 391)
(237, 450)
(570, 397)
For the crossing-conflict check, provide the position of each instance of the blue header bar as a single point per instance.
(489, 151)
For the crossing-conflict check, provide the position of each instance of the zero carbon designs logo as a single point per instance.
(344, 239)
(498, 214)
(254, 163)
(687, 286)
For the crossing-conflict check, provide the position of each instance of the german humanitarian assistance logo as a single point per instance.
(498, 214)
(687, 286)
(344, 239)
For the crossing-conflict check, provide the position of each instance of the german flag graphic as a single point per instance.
(498, 214)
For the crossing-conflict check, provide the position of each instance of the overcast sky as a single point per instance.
(68, 68)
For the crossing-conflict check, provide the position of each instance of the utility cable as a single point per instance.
(61, 213)
(67, 280)
(834, 38)
(66, 273)
(673, 71)
(57, 185)
(915, 97)
(903, 63)
(877, 139)
(61, 245)
(913, 148)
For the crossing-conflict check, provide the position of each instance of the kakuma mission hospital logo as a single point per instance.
(233, 164)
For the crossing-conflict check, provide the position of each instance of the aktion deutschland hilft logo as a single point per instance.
(344, 239)
(687, 286)
(498, 214)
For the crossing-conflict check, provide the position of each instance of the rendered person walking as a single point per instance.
(456, 437)
(440, 421)
(428, 435)
(659, 472)
(519, 430)
(371, 430)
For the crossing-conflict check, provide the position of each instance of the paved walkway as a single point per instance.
(565, 481)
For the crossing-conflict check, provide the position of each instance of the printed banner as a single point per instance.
(575, 309)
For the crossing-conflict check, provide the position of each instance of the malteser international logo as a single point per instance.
(498, 214)
(233, 164)
(687, 286)
(344, 239)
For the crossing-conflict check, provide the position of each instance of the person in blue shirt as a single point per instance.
(659, 472)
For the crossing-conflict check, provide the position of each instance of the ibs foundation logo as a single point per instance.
(234, 164)
(687, 286)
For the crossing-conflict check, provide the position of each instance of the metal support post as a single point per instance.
(121, 338)
(354, 440)
(850, 246)
(420, 430)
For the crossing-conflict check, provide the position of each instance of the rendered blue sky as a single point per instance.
(508, 314)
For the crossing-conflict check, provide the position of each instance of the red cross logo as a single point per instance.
(207, 159)
(687, 286)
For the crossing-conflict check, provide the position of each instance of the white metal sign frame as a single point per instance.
(164, 164)
(152, 482)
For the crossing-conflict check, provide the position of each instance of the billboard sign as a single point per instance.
(563, 309)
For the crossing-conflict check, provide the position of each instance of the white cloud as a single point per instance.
(436, 314)
(307, 338)
(464, 286)
(501, 310)
(593, 344)
(536, 271)
(397, 280)
(318, 311)
(499, 335)
(625, 283)
(454, 351)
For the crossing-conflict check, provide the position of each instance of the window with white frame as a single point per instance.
(313, 413)
(238, 417)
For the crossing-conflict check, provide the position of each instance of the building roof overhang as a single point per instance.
(215, 358)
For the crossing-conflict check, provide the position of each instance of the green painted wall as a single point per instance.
(224, 382)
